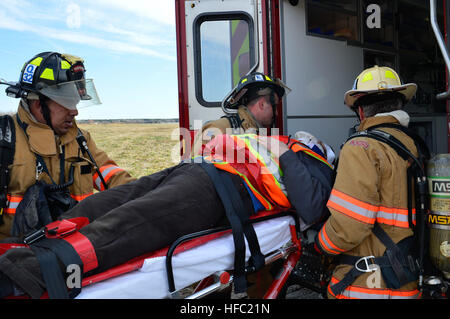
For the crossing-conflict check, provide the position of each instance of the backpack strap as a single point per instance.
(7, 150)
(235, 121)
(421, 146)
(397, 266)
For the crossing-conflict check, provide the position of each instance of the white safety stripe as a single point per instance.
(323, 240)
(361, 295)
(105, 172)
(354, 208)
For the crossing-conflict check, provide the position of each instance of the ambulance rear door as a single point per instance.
(217, 43)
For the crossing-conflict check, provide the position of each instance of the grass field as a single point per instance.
(141, 149)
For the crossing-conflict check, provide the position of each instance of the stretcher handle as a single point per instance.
(179, 241)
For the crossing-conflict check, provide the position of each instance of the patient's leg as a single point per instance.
(102, 202)
(185, 202)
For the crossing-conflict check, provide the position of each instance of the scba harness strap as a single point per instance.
(235, 122)
(398, 266)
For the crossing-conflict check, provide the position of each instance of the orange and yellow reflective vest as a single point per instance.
(246, 156)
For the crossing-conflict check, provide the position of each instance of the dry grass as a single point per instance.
(141, 149)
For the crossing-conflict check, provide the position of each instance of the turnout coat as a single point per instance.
(40, 139)
(370, 188)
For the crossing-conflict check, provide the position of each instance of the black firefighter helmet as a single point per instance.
(252, 86)
(60, 77)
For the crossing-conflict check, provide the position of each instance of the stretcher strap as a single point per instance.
(236, 214)
(257, 259)
(48, 252)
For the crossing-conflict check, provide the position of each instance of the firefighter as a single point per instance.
(255, 98)
(369, 221)
(47, 150)
(151, 212)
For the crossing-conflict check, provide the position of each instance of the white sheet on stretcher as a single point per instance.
(189, 266)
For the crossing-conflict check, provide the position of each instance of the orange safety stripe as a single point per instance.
(298, 146)
(352, 207)
(368, 213)
(79, 198)
(357, 292)
(13, 203)
(107, 172)
(395, 216)
(327, 244)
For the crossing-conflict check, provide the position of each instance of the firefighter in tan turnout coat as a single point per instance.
(370, 192)
(46, 136)
(255, 98)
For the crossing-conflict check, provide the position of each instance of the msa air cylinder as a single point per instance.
(439, 215)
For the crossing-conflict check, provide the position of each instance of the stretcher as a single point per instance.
(205, 258)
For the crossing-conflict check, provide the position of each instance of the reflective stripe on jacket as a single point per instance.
(107, 172)
(13, 203)
(367, 213)
(356, 292)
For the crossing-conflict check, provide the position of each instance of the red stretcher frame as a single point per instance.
(290, 254)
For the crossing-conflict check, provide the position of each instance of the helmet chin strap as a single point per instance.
(45, 111)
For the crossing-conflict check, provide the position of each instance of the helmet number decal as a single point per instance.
(28, 73)
(259, 77)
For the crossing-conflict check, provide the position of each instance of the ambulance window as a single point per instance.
(333, 19)
(224, 52)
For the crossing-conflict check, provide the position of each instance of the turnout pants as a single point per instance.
(139, 217)
(149, 213)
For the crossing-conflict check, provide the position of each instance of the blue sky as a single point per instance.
(129, 48)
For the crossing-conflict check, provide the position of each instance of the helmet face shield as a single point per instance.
(73, 94)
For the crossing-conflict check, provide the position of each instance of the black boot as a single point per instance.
(6, 286)
(19, 267)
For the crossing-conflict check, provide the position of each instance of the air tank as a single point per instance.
(438, 174)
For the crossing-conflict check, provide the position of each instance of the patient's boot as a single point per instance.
(6, 286)
(19, 269)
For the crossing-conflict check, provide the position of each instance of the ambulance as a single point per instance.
(317, 48)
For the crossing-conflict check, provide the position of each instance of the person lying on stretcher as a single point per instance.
(268, 174)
